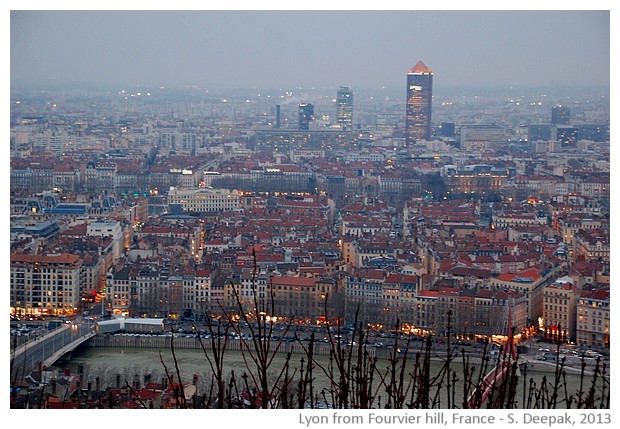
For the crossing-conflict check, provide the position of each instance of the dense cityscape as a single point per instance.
(456, 214)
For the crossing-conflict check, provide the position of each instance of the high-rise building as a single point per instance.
(344, 105)
(560, 115)
(306, 115)
(419, 103)
(278, 116)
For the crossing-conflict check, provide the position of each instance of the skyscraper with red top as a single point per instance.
(419, 104)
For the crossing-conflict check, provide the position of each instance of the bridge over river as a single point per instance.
(47, 349)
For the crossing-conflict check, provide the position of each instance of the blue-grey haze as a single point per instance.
(274, 48)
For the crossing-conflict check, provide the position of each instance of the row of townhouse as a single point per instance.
(526, 261)
(299, 299)
(148, 289)
(573, 203)
(562, 309)
(508, 218)
(140, 290)
(516, 230)
(528, 301)
(542, 187)
(358, 253)
(381, 298)
(118, 176)
(284, 177)
(358, 225)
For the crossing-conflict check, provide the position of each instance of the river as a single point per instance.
(106, 366)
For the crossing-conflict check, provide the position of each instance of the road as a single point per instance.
(36, 351)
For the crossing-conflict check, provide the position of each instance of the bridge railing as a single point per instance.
(28, 357)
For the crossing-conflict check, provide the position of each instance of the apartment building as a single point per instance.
(593, 318)
(301, 299)
(205, 200)
(560, 310)
(46, 285)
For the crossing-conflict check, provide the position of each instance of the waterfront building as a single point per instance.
(593, 317)
(419, 104)
(202, 293)
(303, 299)
(472, 313)
(364, 295)
(121, 292)
(424, 317)
(45, 285)
(559, 311)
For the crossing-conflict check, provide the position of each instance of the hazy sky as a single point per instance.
(274, 48)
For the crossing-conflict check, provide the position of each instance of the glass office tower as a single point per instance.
(419, 104)
(306, 116)
(344, 106)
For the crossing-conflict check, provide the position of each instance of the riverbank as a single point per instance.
(125, 364)
(572, 364)
(166, 342)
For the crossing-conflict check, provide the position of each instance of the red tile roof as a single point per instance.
(63, 258)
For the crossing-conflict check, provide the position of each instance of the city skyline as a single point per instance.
(316, 48)
(173, 168)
